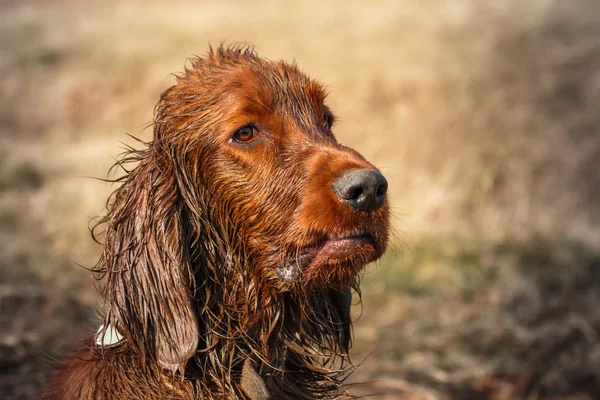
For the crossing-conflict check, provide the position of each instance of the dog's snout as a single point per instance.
(361, 189)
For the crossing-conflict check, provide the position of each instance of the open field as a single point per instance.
(483, 115)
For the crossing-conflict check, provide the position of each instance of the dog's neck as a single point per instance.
(283, 350)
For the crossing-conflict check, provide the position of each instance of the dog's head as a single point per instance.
(256, 140)
(244, 189)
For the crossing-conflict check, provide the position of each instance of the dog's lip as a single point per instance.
(333, 243)
(331, 246)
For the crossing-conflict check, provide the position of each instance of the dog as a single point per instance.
(233, 245)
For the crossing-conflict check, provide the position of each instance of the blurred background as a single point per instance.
(484, 116)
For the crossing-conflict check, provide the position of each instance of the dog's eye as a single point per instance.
(246, 135)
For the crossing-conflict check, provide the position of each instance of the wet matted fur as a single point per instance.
(229, 257)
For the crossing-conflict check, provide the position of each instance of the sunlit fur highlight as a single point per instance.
(195, 232)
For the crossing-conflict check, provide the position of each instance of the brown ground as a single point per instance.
(482, 114)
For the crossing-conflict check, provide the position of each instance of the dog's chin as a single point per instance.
(336, 259)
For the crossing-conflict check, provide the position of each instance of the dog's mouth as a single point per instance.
(332, 247)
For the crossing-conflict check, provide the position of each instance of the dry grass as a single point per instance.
(482, 114)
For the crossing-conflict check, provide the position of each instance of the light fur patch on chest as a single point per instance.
(108, 336)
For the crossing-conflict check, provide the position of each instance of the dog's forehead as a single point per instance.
(279, 87)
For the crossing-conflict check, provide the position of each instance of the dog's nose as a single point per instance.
(361, 189)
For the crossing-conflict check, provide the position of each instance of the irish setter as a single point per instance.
(233, 245)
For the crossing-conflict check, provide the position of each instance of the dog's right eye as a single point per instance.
(246, 135)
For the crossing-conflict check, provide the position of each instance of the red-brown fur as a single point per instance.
(194, 237)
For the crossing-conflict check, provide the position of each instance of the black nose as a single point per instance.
(362, 189)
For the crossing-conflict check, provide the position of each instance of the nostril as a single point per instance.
(382, 189)
(355, 193)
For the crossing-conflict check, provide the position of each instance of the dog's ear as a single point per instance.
(149, 285)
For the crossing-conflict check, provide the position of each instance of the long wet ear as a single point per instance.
(149, 285)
